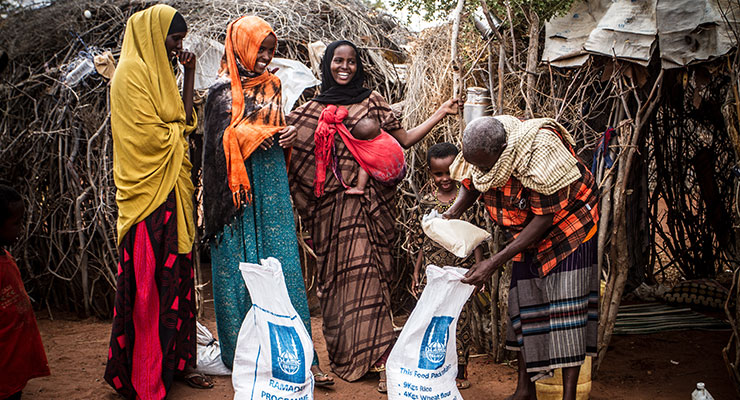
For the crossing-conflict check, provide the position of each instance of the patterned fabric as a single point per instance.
(252, 120)
(534, 154)
(22, 355)
(153, 333)
(352, 238)
(700, 292)
(263, 228)
(554, 319)
(435, 254)
(575, 208)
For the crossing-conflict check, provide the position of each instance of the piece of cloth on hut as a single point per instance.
(150, 146)
(352, 237)
(534, 154)
(249, 126)
(382, 157)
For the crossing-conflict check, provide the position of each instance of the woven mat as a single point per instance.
(640, 319)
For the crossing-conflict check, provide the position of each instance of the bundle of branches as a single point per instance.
(575, 97)
(55, 146)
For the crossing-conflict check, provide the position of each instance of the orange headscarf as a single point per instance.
(244, 37)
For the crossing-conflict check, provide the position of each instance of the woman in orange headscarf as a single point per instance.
(246, 198)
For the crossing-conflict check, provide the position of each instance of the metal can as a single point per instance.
(477, 104)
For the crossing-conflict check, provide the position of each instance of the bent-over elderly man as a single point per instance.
(544, 197)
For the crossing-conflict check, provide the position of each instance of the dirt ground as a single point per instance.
(662, 366)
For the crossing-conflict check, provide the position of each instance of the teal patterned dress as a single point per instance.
(260, 229)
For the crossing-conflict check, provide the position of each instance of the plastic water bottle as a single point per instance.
(79, 72)
(700, 393)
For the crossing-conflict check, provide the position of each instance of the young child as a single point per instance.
(365, 129)
(22, 355)
(439, 158)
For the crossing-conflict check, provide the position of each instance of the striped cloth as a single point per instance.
(641, 319)
(352, 237)
(554, 320)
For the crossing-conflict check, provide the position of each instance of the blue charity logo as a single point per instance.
(288, 361)
(434, 344)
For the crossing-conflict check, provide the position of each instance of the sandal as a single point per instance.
(462, 384)
(382, 384)
(322, 379)
(198, 381)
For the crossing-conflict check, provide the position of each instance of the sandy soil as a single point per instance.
(637, 367)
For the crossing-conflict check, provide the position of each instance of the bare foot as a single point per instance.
(354, 190)
(522, 395)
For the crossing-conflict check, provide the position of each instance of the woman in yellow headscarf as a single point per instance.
(153, 335)
(246, 198)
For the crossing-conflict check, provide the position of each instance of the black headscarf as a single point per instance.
(178, 24)
(334, 93)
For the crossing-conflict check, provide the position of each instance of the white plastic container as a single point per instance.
(701, 393)
(83, 69)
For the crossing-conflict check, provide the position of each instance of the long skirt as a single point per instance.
(153, 333)
(353, 236)
(263, 228)
(554, 320)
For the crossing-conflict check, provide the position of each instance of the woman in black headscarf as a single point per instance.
(352, 235)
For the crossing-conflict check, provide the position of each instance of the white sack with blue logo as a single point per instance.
(274, 351)
(423, 362)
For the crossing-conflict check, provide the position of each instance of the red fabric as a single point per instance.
(22, 355)
(382, 157)
(146, 374)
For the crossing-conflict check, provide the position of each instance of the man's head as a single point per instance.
(484, 140)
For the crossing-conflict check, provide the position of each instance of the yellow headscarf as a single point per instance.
(150, 147)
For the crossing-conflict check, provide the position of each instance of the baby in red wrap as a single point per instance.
(365, 129)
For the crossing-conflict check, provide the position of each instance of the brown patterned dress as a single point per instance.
(352, 236)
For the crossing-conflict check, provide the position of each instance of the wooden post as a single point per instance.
(457, 84)
(619, 251)
(531, 68)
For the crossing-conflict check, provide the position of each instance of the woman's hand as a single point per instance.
(187, 59)
(267, 143)
(288, 135)
(451, 106)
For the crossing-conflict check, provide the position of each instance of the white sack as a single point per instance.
(209, 353)
(456, 236)
(295, 78)
(423, 362)
(274, 351)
